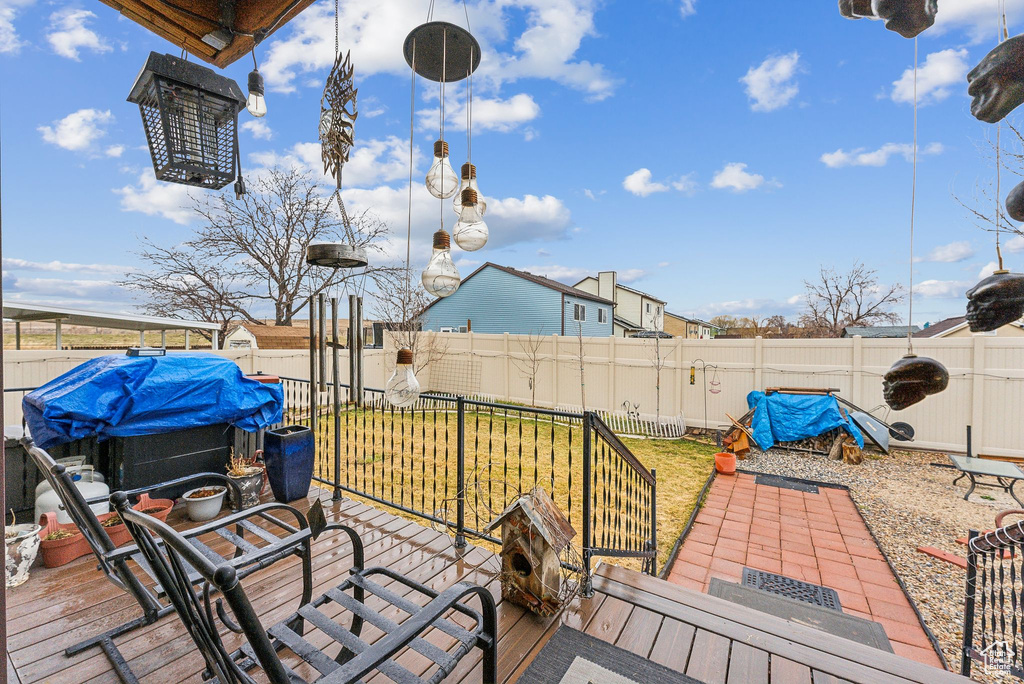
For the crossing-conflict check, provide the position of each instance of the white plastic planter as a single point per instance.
(206, 508)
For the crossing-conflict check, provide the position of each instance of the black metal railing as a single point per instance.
(457, 462)
(994, 601)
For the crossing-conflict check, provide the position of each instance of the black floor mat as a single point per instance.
(786, 483)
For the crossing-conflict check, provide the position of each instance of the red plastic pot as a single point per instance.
(725, 463)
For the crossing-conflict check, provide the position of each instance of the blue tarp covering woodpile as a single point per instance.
(782, 417)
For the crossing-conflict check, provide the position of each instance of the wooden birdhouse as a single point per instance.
(533, 535)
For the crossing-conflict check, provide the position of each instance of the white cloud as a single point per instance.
(687, 8)
(489, 114)
(639, 183)
(880, 157)
(977, 17)
(935, 76)
(114, 151)
(258, 129)
(949, 254)
(153, 198)
(1015, 244)
(59, 289)
(79, 130)
(591, 195)
(68, 33)
(543, 253)
(60, 266)
(574, 274)
(9, 41)
(749, 306)
(771, 84)
(375, 31)
(371, 162)
(663, 264)
(734, 177)
(942, 289)
(988, 269)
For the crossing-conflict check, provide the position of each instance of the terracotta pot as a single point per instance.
(725, 463)
(165, 506)
(58, 552)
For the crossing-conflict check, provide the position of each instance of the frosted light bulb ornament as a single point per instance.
(440, 277)
(256, 103)
(469, 181)
(402, 389)
(441, 179)
(470, 232)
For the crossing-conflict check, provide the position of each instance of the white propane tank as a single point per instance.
(87, 481)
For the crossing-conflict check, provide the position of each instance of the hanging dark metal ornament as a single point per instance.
(906, 17)
(442, 52)
(997, 83)
(911, 379)
(1015, 203)
(995, 301)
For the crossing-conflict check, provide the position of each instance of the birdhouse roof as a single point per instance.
(544, 516)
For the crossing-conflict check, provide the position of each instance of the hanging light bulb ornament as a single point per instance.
(441, 179)
(470, 232)
(911, 379)
(402, 389)
(469, 181)
(256, 103)
(995, 301)
(441, 277)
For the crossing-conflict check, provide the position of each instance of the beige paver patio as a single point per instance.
(819, 538)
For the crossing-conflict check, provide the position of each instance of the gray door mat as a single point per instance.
(786, 483)
(781, 585)
(571, 653)
(840, 624)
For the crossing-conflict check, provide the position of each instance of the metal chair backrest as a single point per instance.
(171, 561)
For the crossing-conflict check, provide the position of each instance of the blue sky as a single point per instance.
(714, 153)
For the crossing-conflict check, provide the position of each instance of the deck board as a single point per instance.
(689, 632)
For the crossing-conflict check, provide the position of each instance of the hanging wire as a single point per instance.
(1003, 35)
(469, 107)
(408, 228)
(444, 76)
(254, 64)
(913, 208)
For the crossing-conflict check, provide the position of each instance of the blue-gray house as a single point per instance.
(498, 299)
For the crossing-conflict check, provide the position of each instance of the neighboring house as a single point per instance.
(690, 328)
(957, 327)
(878, 331)
(635, 311)
(256, 336)
(498, 299)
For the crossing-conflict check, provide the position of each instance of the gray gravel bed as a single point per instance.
(909, 503)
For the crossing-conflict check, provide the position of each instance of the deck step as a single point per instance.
(825, 619)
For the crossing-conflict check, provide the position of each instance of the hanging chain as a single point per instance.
(913, 202)
(337, 47)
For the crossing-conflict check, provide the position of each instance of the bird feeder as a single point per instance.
(533, 535)
(190, 114)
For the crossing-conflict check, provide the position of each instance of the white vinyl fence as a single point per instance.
(986, 388)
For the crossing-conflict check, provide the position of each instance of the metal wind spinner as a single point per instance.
(337, 116)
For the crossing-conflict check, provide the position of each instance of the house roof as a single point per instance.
(651, 334)
(533, 278)
(277, 336)
(692, 320)
(23, 311)
(878, 331)
(631, 289)
(545, 518)
(628, 325)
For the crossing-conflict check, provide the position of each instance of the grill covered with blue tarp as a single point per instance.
(124, 396)
(782, 417)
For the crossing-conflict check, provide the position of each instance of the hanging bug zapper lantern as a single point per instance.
(445, 53)
(190, 115)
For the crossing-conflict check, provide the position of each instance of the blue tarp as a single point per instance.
(789, 417)
(122, 396)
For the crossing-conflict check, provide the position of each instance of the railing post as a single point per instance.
(460, 474)
(588, 587)
(654, 521)
(336, 403)
(972, 573)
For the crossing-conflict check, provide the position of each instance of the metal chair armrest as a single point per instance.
(134, 493)
(357, 544)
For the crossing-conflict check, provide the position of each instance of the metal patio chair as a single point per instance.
(170, 555)
(279, 538)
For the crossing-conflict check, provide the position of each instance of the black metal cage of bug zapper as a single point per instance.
(190, 114)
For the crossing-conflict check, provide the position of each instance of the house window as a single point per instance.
(579, 312)
(602, 315)
(648, 307)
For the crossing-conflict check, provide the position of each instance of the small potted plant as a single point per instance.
(61, 542)
(249, 475)
(204, 503)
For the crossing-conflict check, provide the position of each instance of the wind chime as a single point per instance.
(913, 377)
(443, 53)
(997, 86)
(337, 134)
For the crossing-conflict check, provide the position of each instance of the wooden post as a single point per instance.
(60, 342)
(188, 343)
(17, 334)
(336, 496)
(163, 339)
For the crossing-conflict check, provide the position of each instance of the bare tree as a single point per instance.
(836, 300)
(581, 358)
(397, 304)
(530, 362)
(728, 324)
(248, 257)
(658, 363)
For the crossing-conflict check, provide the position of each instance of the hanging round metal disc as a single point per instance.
(335, 255)
(436, 39)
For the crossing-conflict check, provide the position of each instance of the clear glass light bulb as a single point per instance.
(469, 181)
(440, 277)
(470, 232)
(256, 103)
(442, 182)
(402, 389)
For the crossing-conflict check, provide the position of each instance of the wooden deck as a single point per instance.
(708, 638)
